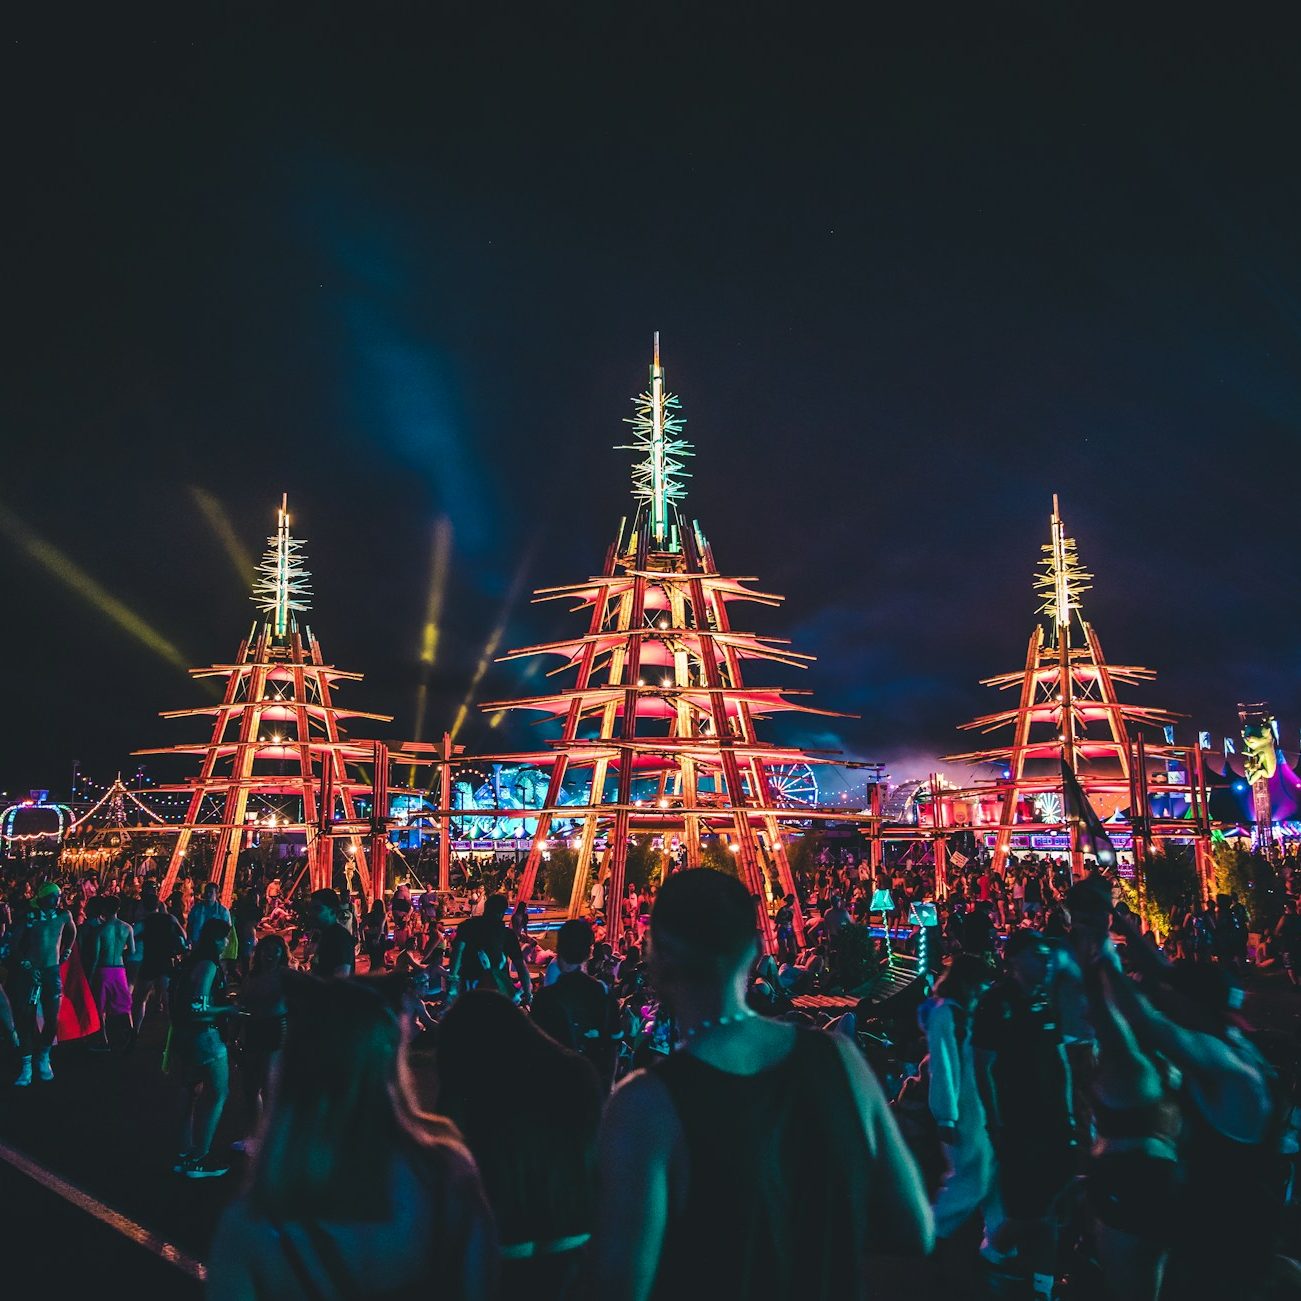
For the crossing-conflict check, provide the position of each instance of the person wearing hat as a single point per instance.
(43, 941)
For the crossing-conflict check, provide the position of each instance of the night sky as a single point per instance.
(911, 278)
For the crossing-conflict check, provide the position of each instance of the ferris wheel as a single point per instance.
(1049, 807)
(793, 785)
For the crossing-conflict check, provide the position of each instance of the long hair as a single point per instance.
(528, 1110)
(209, 945)
(335, 1122)
(269, 953)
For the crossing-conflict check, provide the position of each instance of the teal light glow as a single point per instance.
(282, 585)
(657, 431)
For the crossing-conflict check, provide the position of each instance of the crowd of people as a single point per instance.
(437, 1092)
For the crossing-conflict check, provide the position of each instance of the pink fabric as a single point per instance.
(111, 991)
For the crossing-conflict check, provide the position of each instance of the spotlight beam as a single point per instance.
(215, 513)
(493, 642)
(73, 577)
(439, 563)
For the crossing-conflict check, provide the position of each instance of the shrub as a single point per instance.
(1251, 876)
(1170, 878)
(558, 875)
(854, 959)
(644, 865)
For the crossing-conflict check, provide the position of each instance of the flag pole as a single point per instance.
(1062, 605)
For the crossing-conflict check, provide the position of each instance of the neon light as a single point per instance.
(657, 480)
(1063, 579)
(7, 818)
(282, 584)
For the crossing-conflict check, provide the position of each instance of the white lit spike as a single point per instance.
(282, 584)
(657, 430)
(1062, 579)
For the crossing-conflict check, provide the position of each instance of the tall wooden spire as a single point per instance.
(659, 727)
(1068, 710)
(276, 760)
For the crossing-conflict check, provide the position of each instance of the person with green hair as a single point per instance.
(42, 943)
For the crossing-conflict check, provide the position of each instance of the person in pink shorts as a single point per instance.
(114, 943)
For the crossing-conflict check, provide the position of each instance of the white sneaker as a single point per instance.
(204, 1167)
(24, 1074)
(43, 1067)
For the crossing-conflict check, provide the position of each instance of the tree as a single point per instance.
(802, 853)
(715, 854)
(558, 883)
(644, 865)
(1251, 876)
(1170, 881)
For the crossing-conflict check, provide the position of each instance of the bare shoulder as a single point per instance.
(867, 1088)
(855, 1063)
(641, 1091)
(639, 1105)
(444, 1164)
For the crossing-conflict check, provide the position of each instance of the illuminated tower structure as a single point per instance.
(1069, 712)
(277, 762)
(658, 730)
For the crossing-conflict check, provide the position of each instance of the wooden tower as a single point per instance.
(658, 728)
(277, 761)
(1068, 710)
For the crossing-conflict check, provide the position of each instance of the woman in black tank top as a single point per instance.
(759, 1161)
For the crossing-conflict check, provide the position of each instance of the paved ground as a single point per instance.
(57, 1248)
(109, 1126)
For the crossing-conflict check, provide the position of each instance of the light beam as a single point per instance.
(215, 513)
(493, 642)
(72, 576)
(439, 563)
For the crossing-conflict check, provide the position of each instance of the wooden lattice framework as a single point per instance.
(277, 760)
(659, 725)
(1068, 710)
